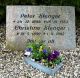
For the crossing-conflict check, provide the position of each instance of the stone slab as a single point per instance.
(54, 25)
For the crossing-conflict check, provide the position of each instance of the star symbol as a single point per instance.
(17, 33)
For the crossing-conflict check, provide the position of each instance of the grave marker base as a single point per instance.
(43, 68)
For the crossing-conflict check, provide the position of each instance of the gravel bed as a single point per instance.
(12, 64)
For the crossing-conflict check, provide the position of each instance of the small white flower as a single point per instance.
(27, 53)
(33, 59)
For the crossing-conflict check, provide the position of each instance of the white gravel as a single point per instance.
(12, 64)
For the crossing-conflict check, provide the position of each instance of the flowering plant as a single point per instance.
(43, 54)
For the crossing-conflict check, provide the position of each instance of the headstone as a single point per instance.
(54, 25)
